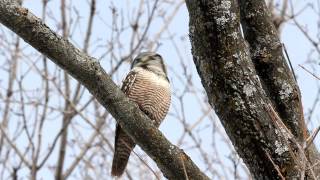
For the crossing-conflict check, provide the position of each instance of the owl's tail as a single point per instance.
(123, 147)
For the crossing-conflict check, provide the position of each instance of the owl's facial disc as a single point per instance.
(150, 61)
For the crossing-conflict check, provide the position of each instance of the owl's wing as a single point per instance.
(123, 143)
(128, 82)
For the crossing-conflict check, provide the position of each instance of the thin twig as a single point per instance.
(288, 59)
(275, 166)
(309, 72)
(312, 137)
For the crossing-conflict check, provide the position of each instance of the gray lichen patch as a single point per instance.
(225, 14)
(171, 149)
(239, 104)
(249, 90)
(286, 91)
(228, 65)
(280, 148)
(234, 35)
(223, 20)
(226, 5)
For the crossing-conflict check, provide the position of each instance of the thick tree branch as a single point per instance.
(237, 93)
(270, 63)
(171, 160)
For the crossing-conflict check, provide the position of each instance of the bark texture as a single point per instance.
(271, 66)
(250, 86)
(172, 161)
(267, 55)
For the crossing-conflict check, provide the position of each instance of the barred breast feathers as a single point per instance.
(157, 79)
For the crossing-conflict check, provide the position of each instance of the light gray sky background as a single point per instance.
(299, 49)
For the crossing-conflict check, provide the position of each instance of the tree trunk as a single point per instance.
(250, 86)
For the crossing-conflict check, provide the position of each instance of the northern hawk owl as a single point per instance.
(147, 85)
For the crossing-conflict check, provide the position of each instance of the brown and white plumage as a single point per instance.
(147, 85)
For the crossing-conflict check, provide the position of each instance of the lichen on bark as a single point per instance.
(250, 104)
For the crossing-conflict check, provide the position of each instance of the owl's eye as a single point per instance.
(157, 56)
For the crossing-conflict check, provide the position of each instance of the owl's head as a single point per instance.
(150, 61)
